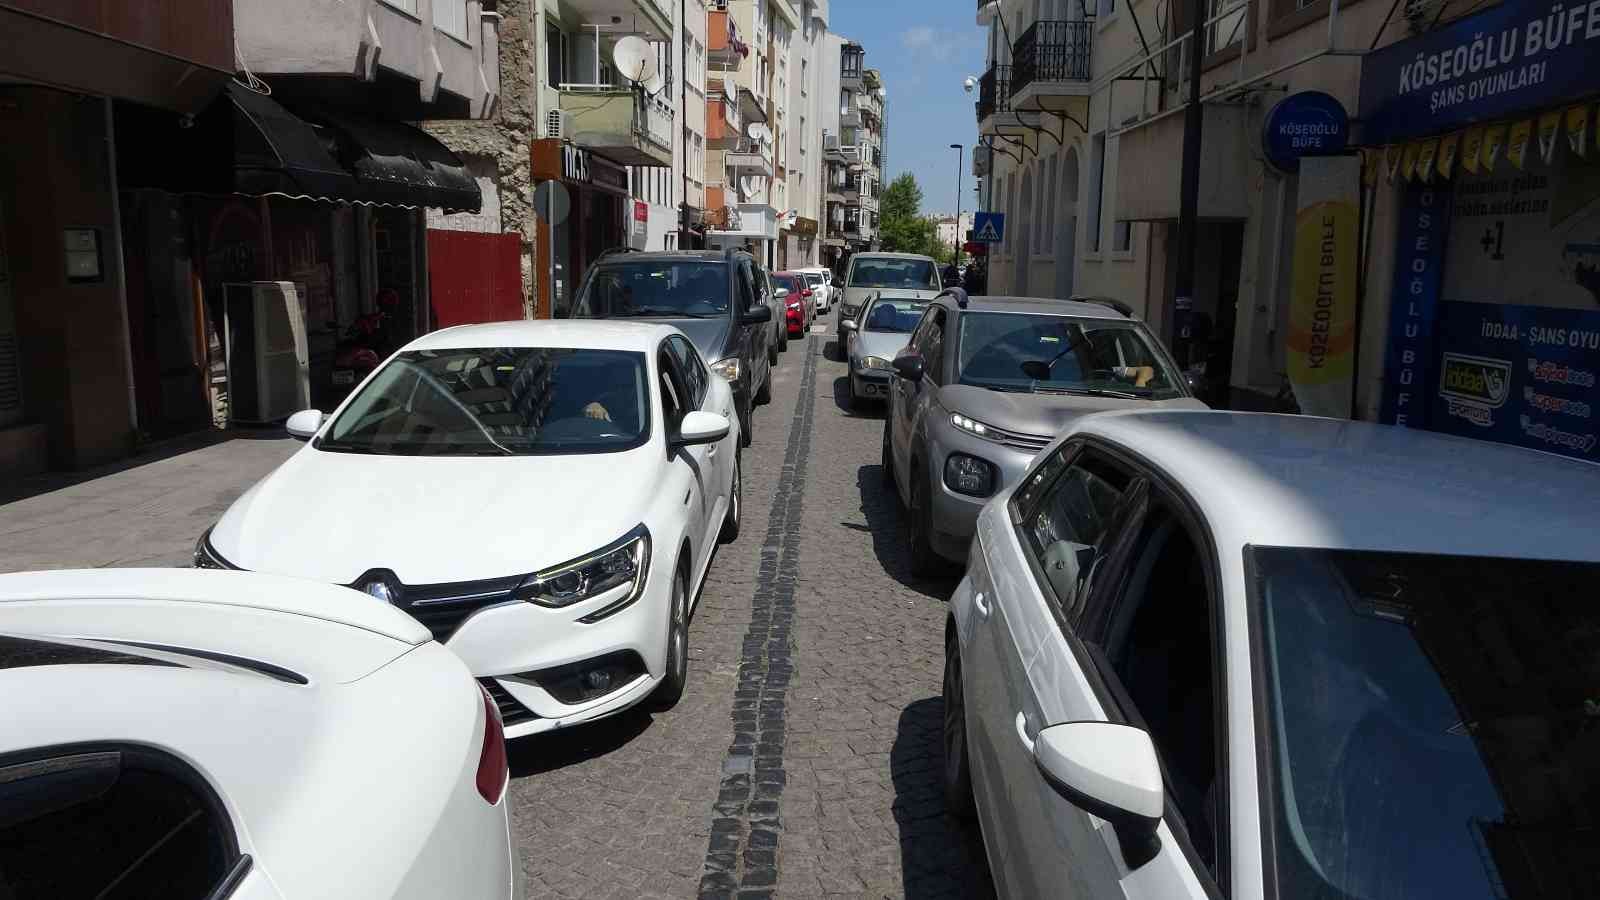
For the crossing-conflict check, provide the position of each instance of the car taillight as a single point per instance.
(492, 770)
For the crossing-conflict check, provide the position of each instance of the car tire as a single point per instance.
(747, 423)
(852, 399)
(924, 561)
(670, 690)
(730, 522)
(764, 395)
(888, 461)
(956, 772)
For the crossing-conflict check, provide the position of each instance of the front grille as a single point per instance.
(511, 712)
(441, 608)
(1031, 443)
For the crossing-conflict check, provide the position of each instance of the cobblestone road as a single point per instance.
(803, 759)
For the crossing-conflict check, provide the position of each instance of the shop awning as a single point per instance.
(248, 143)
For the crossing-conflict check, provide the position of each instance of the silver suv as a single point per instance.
(987, 382)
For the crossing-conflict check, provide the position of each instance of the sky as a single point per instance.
(924, 48)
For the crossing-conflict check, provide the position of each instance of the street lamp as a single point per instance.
(957, 242)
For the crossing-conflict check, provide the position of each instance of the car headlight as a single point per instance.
(971, 426)
(727, 368)
(207, 557)
(876, 362)
(969, 475)
(623, 562)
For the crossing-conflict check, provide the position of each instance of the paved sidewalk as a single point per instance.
(145, 511)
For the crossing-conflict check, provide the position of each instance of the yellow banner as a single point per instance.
(1447, 153)
(1494, 137)
(1425, 156)
(1549, 132)
(1471, 146)
(1578, 129)
(1322, 303)
(1517, 143)
(1408, 162)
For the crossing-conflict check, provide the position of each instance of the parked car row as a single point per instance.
(1202, 654)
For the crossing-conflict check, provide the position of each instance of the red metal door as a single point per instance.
(474, 277)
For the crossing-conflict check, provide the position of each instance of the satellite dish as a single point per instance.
(749, 186)
(654, 83)
(970, 83)
(634, 58)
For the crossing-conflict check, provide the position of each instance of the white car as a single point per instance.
(544, 496)
(1204, 654)
(821, 279)
(179, 734)
(905, 275)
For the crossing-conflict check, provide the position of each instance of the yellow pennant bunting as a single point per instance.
(1578, 129)
(1549, 132)
(1408, 162)
(1371, 163)
(1517, 143)
(1425, 156)
(1447, 154)
(1471, 146)
(1494, 138)
(1391, 159)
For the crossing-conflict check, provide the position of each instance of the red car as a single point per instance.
(800, 307)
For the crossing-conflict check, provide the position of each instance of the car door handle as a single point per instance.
(984, 609)
(1022, 733)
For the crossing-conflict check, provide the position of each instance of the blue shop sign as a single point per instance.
(1519, 374)
(1515, 58)
(1309, 123)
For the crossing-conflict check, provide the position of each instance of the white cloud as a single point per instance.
(920, 37)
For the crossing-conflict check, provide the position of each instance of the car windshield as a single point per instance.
(695, 289)
(503, 401)
(1432, 724)
(1046, 353)
(793, 283)
(893, 315)
(888, 272)
(813, 280)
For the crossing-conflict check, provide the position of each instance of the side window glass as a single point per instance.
(747, 288)
(933, 355)
(694, 372)
(673, 395)
(1160, 645)
(1066, 526)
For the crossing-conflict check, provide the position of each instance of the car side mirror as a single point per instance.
(1193, 381)
(908, 366)
(1110, 771)
(1038, 371)
(700, 427)
(781, 293)
(755, 315)
(847, 325)
(303, 425)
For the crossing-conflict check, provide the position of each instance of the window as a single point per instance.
(694, 371)
(407, 6)
(805, 79)
(1069, 509)
(930, 344)
(555, 54)
(674, 393)
(1227, 30)
(450, 17)
(112, 821)
(1158, 640)
(1122, 236)
(1097, 171)
(803, 133)
(1041, 353)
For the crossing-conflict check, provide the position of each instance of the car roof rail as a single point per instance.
(957, 294)
(615, 250)
(1118, 305)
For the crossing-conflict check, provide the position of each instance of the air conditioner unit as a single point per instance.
(830, 142)
(269, 372)
(557, 124)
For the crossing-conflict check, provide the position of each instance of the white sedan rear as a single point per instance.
(200, 734)
(544, 496)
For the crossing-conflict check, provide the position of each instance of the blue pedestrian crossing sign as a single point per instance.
(989, 227)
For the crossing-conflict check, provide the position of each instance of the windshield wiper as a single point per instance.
(1089, 392)
(993, 386)
(340, 447)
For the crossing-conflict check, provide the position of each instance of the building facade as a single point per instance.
(852, 151)
(805, 171)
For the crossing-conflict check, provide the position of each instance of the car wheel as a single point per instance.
(670, 690)
(776, 344)
(730, 522)
(852, 400)
(746, 423)
(924, 561)
(765, 394)
(888, 459)
(957, 774)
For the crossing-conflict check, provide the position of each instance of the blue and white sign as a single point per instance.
(989, 227)
(1519, 374)
(1413, 304)
(1309, 123)
(1512, 58)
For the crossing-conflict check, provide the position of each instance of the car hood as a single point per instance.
(884, 344)
(1041, 414)
(333, 516)
(709, 336)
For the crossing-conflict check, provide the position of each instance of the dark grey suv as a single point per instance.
(720, 299)
(987, 382)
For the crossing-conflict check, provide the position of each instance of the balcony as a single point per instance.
(649, 19)
(725, 52)
(433, 65)
(750, 158)
(723, 122)
(756, 220)
(994, 93)
(620, 124)
(852, 67)
(850, 117)
(832, 150)
(1050, 63)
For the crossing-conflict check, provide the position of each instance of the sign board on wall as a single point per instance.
(989, 227)
(1413, 304)
(1309, 123)
(1510, 58)
(1322, 301)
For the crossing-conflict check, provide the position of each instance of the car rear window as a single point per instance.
(890, 272)
(655, 288)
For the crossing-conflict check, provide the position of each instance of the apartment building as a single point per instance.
(801, 245)
(852, 150)
(692, 104)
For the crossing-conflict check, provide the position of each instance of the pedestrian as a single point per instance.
(977, 280)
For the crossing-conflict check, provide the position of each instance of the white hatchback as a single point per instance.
(1202, 654)
(545, 497)
(186, 735)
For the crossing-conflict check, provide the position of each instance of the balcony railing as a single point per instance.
(1052, 51)
(994, 91)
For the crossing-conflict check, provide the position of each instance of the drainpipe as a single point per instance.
(122, 279)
